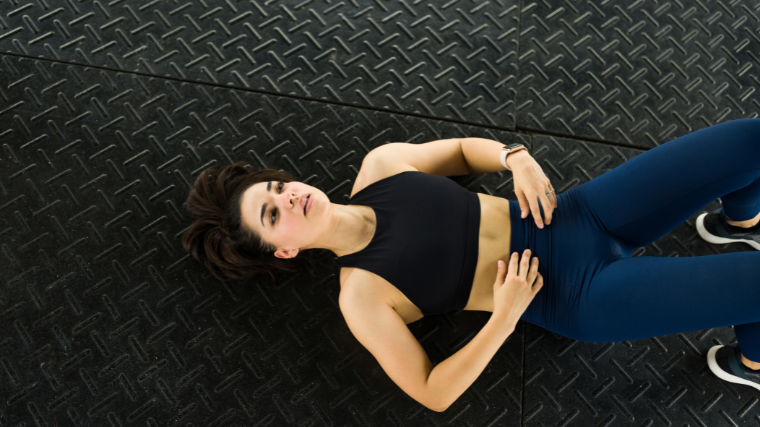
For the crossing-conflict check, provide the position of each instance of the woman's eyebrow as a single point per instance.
(264, 208)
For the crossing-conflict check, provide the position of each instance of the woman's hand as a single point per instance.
(513, 291)
(531, 184)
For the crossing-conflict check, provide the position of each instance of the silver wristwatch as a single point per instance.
(509, 149)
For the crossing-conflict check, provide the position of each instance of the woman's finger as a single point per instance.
(538, 283)
(523, 204)
(525, 264)
(533, 273)
(548, 207)
(554, 197)
(535, 209)
(512, 271)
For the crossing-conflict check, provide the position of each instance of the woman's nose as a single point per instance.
(291, 199)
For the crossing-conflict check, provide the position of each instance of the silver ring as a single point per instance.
(549, 193)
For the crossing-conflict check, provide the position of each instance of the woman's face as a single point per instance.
(284, 223)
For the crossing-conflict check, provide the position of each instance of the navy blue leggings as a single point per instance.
(593, 291)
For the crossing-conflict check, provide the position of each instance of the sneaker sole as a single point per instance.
(725, 376)
(717, 239)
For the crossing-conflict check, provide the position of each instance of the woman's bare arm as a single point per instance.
(450, 378)
(378, 327)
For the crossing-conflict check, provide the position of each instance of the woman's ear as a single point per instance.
(286, 253)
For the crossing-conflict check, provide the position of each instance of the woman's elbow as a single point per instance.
(437, 407)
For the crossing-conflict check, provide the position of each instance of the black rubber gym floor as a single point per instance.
(110, 109)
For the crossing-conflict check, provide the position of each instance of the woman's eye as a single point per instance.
(279, 186)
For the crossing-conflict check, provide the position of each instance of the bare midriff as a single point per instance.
(493, 245)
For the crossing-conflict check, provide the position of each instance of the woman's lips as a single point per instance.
(308, 204)
(307, 199)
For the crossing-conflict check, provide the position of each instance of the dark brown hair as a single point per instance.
(216, 237)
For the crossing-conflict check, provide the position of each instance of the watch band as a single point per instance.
(508, 149)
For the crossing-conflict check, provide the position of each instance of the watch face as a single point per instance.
(511, 146)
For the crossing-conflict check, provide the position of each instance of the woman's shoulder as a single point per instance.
(359, 283)
(359, 286)
(377, 170)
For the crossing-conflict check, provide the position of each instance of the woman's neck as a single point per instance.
(354, 229)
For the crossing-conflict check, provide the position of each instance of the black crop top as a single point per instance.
(426, 238)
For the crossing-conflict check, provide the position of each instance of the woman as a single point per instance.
(411, 242)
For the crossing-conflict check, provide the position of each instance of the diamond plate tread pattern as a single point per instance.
(104, 320)
(661, 381)
(639, 73)
(450, 60)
